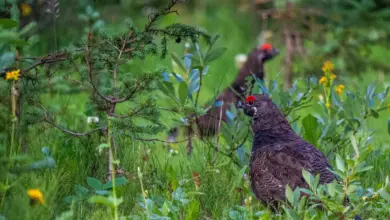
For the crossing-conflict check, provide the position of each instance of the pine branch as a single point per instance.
(51, 58)
(153, 17)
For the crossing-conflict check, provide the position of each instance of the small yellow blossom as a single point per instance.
(327, 105)
(13, 75)
(327, 67)
(364, 198)
(322, 80)
(26, 9)
(35, 196)
(333, 76)
(340, 89)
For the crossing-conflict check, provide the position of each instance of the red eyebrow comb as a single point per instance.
(250, 98)
(266, 46)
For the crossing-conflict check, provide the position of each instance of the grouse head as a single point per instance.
(267, 118)
(256, 59)
(267, 52)
(257, 105)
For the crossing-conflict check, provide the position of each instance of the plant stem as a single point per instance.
(112, 166)
(14, 120)
(143, 191)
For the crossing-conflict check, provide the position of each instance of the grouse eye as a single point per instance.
(250, 103)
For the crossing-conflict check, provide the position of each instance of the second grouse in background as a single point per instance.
(208, 123)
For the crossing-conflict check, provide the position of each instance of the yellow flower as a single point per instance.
(364, 198)
(327, 67)
(26, 9)
(322, 80)
(333, 76)
(13, 75)
(35, 196)
(340, 89)
(327, 105)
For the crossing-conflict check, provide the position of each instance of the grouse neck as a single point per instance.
(252, 65)
(272, 129)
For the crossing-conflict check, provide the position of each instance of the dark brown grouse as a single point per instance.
(208, 123)
(279, 154)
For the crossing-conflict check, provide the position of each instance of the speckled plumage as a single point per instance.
(279, 154)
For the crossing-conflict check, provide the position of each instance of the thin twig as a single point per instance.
(51, 58)
(162, 141)
(154, 16)
(72, 132)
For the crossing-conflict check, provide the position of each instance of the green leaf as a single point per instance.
(170, 88)
(119, 181)
(180, 195)
(302, 204)
(340, 163)
(289, 194)
(178, 62)
(103, 146)
(312, 129)
(81, 190)
(352, 188)
(316, 181)
(94, 183)
(374, 113)
(165, 209)
(354, 145)
(213, 40)
(193, 210)
(28, 28)
(6, 60)
(7, 23)
(47, 162)
(308, 177)
(332, 188)
(11, 38)
(183, 93)
(215, 54)
(194, 81)
(98, 199)
(101, 192)
(385, 195)
(337, 173)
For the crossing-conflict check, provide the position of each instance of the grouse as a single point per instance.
(208, 123)
(279, 154)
